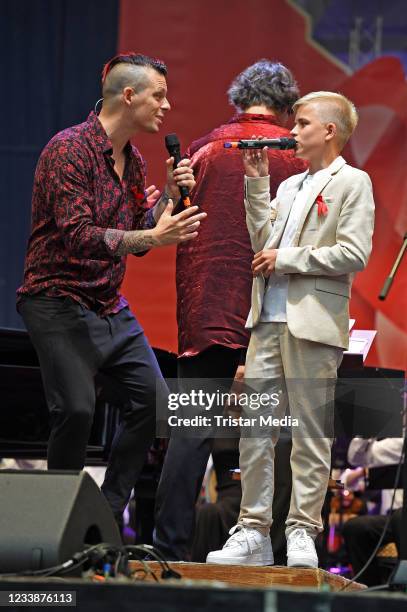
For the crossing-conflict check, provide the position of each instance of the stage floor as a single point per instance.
(208, 595)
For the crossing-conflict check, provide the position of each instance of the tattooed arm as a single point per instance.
(169, 230)
(134, 242)
(160, 206)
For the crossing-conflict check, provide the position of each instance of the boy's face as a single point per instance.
(310, 133)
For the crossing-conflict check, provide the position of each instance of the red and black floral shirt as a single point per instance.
(77, 197)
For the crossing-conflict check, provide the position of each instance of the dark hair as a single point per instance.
(135, 59)
(265, 82)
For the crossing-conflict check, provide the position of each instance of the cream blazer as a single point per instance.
(327, 250)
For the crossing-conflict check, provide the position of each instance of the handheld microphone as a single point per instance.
(174, 150)
(271, 143)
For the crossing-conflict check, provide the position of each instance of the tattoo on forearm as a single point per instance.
(135, 242)
(160, 206)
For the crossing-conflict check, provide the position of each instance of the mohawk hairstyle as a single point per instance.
(135, 59)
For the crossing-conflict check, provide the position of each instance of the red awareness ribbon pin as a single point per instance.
(322, 207)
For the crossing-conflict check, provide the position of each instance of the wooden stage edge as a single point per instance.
(255, 576)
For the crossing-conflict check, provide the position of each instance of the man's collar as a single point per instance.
(100, 137)
(247, 117)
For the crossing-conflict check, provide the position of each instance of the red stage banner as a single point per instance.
(205, 44)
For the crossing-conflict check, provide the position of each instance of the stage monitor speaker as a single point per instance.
(46, 517)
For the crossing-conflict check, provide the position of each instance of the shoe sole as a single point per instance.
(302, 562)
(252, 560)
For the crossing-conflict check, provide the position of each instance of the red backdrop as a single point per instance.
(205, 44)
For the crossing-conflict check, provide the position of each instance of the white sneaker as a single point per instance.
(301, 550)
(246, 546)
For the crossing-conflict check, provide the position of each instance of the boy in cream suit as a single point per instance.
(308, 243)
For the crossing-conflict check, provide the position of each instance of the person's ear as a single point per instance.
(128, 93)
(331, 131)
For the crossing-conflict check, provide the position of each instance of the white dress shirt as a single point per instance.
(373, 453)
(275, 298)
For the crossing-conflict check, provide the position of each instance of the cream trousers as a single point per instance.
(304, 374)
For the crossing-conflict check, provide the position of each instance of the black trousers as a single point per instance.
(185, 465)
(74, 344)
(361, 535)
(186, 460)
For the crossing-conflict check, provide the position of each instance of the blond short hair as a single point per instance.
(336, 109)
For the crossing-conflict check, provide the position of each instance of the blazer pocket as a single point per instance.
(329, 285)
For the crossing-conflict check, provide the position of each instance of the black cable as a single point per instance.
(67, 565)
(79, 559)
(379, 587)
(120, 563)
(167, 571)
(141, 548)
(40, 573)
(386, 524)
(157, 553)
(147, 570)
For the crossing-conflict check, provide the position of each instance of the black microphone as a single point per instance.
(271, 143)
(174, 150)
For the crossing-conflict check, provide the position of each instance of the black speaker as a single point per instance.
(46, 517)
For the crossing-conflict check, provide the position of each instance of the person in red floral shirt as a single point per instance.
(89, 211)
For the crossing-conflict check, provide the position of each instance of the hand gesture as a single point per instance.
(177, 228)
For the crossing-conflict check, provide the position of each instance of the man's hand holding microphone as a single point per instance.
(183, 226)
(170, 228)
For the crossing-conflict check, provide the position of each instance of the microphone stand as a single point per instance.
(399, 576)
(389, 280)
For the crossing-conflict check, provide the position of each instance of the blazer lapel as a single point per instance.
(285, 203)
(316, 189)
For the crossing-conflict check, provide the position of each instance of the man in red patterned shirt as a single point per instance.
(88, 213)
